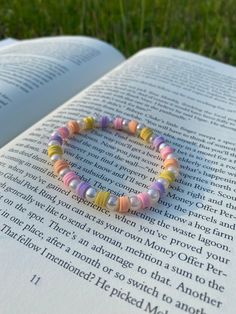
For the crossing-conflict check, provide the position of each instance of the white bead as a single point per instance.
(74, 183)
(81, 124)
(90, 194)
(55, 157)
(151, 139)
(55, 133)
(154, 195)
(97, 122)
(125, 125)
(139, 128)
(96, 118)
(170, 156)
(63, 172)
(174, 170)
(53, 142)
(111, 121)
(164, 182)
(112, 203)
(162, 145)
(110, 118)
(135, 203)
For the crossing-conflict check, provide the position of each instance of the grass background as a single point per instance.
(206, 27)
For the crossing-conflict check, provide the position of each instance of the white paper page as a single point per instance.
(177, 257)
(36, 76)
(7, 42)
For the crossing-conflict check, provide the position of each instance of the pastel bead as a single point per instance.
(171, 162)
(145, 199)
(82, 188)
(89, 123)
(151, 138)
(166, 151)
(112, 202)
(162, 145)
(135, 203)
(55, 157)
(81, 124)
(59, 165)
(63, 172)
(74, 183)
(125, 125)
(124, 204)
(68, 177)
(53, 142)
(132, 126)
(157, 142)
(174, 170)
(97, 122)
(102, 198)
(168, 175)
(64, 132)
(56, 137)
(104, 122)
(118, 123)
(90, 194)
(158, 186)
(146, 133)
(139, 128)
(172, 156)
(55, 149)
(73, 127)
(154, 195)
(111, 120)
(164, 182)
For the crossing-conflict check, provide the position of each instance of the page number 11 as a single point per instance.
(35, 279)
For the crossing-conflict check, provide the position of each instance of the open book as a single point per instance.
(58, 253)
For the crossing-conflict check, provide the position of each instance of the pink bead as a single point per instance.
(118, 123)
(68, 177)
(63, 131)
(166, 151)
(145, 199)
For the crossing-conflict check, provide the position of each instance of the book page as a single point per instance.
(7, 42)
(39, 75)
(59, 253)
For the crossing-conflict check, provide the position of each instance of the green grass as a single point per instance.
(207, 27)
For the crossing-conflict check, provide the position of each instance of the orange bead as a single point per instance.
(59, 165)
(132, 126)
(124, 204)
(171, 162)
(73, 127)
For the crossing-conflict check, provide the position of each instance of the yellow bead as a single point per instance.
(89, 123)
(168, 175)
(55, 149)
(102, 198)
(146, 133)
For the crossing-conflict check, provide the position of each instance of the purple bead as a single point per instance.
(158, 186)
(104, 122)
(82, 188)
(158, 141)
(57, 138)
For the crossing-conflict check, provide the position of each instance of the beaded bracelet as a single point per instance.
(105, 199)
